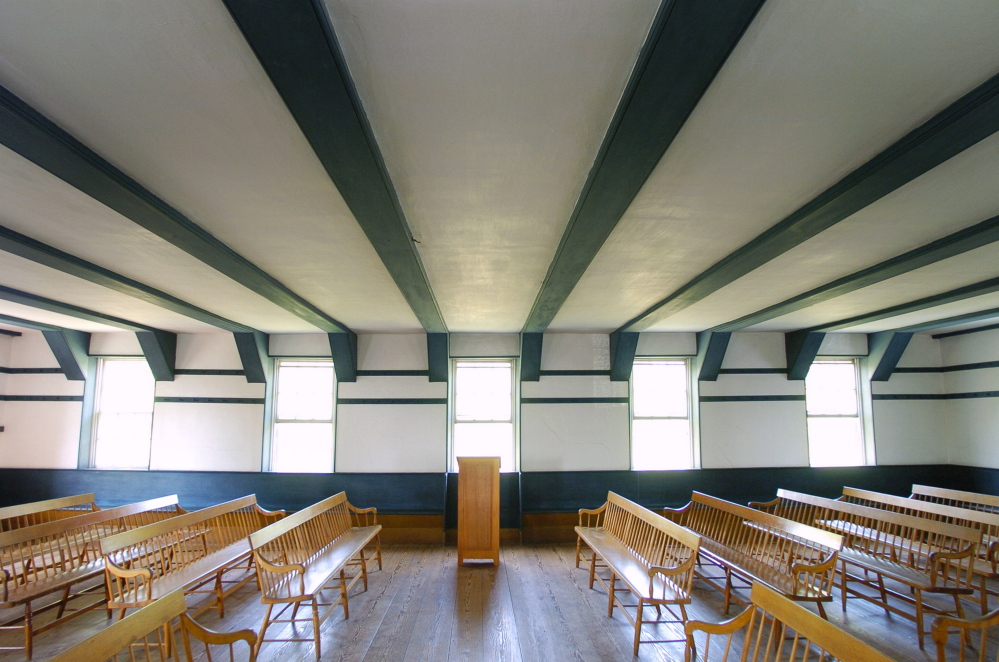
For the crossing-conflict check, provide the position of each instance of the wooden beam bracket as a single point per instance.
(801, 348)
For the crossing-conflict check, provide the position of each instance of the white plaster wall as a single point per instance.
(392, 351)
(575, 437)
(115, 344)
(972, 436)
(206, 437)
(207, 351)
(30, 350)
(485, 345)
(573, 386)
(911, 431)
(410, 438)
(844, 344)
(575, 351)
(755, 350)
(753, 434)
(666, 344)
(392, 387)
(299, 344)
(5, 343)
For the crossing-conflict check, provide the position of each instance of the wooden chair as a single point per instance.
(944, 625)
(774, 629)
(652, 557)
(40, 512)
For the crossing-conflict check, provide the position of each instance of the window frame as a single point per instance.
(274, 405)
(863, 414)
(96, 414)
(691, 417)
(451, 459)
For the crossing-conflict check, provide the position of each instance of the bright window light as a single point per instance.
(482, 423)
(835, 430)
(123, 417)
(302, 441)
(660, 416)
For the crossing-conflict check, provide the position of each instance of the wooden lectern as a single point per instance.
(478, 508)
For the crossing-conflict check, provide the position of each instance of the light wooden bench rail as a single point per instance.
(926, 557)
(653, 557)
(192, 551)
(986, 566)
(988, 503)
(40, 512)
(775, 628)
(58, 556)
(147, 634)
(796, 560)
(308, 552)
(943, 626)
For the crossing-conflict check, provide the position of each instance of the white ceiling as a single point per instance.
(489, 116)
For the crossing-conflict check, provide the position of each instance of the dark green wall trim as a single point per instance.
(885, 349)
(343, 348)
(27, 132)
(393, 373)
(257, 365)
(208, 373)
(952, 368)
(51, 305)
(623, 346)
(297, 47)
(30, 371)
(800, 349)
(438, 357)
(964, 332)
(8, 332)
(160, 350)
(959, 242)
(70, 350)
(575, 401)
(391, 401)
(959, 294)
(936, 396)
(530, 356)
(687, 45)
(991, 313)
(210, 401)
(41, 398)
(752, 398)
(575, 373)
(711, 348)
(970, 119)
(753, 371)
(30, 249)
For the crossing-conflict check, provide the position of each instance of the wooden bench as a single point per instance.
(988, 503)
(653, 557)
(149, 632)
(308, 552)
(986, 566)
(57, 557)
(773, 623)
(796, 560)
(40, 512)
(187, 552)
(924, 556)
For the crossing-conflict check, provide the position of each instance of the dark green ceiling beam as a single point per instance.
(977, 316)
(27, 132)
(28, 324)
(959, 294)
(964, 332)
(967, 121)
(35, 301)
(687, 46)
(297, 46)
(965, 240)
(30, 249)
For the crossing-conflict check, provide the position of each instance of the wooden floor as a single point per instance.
(534, 607)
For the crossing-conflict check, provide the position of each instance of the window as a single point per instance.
(123, 416)
(835, 429)
(660, 415)
(482, 423)
(303, 425)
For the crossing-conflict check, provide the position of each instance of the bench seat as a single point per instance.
(323, 567)
(755, 570)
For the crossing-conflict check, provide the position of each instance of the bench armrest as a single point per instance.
(728, 627)
(270, 514)
(817, 575)
(943, 625)
(6, 578)
(263, 565)
(362, 516)
(191, 628)
(677, 515)
(590, 517)
(992, 554)
(941, 563)
(765, 506)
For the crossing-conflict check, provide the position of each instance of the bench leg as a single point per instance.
(884, 594)
(728, 589)
(62, 603)
(219, 595)
(638, 626)
(842, 585)
(27, 631)
(593, 567)
(343, 595)
(610, 595)
(919, 616)
(579, 542)
(315, 622)
(822, 611)
(263, 628)
(378, 549)
(364, 570)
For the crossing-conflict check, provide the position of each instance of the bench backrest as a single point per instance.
(986, 522)
(303, 535)
(142, 627)
(40, 512)
(653, 538)
(971, 500)
(773, 626)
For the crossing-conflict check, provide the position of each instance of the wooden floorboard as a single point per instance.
(536, 606)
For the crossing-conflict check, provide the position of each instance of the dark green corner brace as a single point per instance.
(343, 346)
(438, 354)
(71, 349)
(884, 350)
(711, 348)
(530, 356)
(160, 350)
(623, 346)
(801, 348)
(253, 354)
